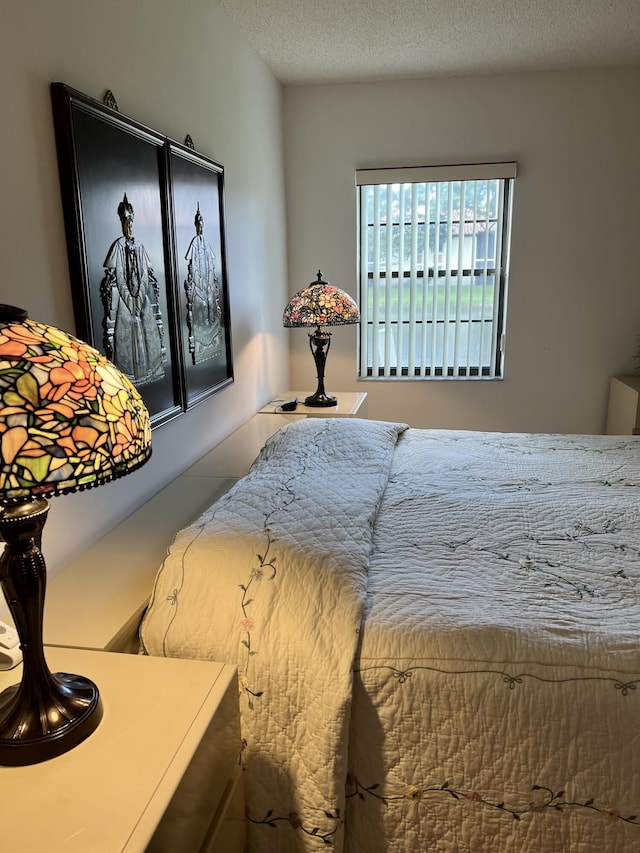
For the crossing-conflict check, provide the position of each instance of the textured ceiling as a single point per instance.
(321, 41)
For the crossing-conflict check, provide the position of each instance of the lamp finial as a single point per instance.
(12, 314)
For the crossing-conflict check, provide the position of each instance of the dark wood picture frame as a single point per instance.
(127, 245)
(200, 267)
(111, 168)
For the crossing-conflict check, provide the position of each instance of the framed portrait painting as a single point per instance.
(197, 214)
(114, 178)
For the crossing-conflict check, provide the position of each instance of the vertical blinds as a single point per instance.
(433, 247)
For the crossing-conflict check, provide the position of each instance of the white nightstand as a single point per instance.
(623, 414)
(351, 404)
(160, 773)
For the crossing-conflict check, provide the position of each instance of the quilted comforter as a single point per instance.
(437, 635)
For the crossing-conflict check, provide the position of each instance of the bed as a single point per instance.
(437, 636)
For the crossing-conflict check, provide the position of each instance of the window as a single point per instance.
(432, 266)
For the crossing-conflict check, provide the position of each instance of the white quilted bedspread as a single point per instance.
(437, 637)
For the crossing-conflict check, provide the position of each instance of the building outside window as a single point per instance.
(432, 267)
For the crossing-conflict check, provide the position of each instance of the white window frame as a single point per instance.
(430, 345)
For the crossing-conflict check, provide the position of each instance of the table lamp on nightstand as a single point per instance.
(69, 420)
(320, 304)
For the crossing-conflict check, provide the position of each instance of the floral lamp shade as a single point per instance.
(321, 304)
(69, 419)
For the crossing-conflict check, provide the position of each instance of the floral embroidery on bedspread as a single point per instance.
(525, 553)
(294, 820)
(547, 800)
(264, 571)
(401, 676)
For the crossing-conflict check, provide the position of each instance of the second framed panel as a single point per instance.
(197, 211)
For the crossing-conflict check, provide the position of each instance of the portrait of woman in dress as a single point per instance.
(203, 296)
(133, 325)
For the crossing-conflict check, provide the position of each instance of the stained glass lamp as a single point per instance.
(69, 420)
(320, 304)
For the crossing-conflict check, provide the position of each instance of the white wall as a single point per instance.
(178, 68)
(574, 298)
